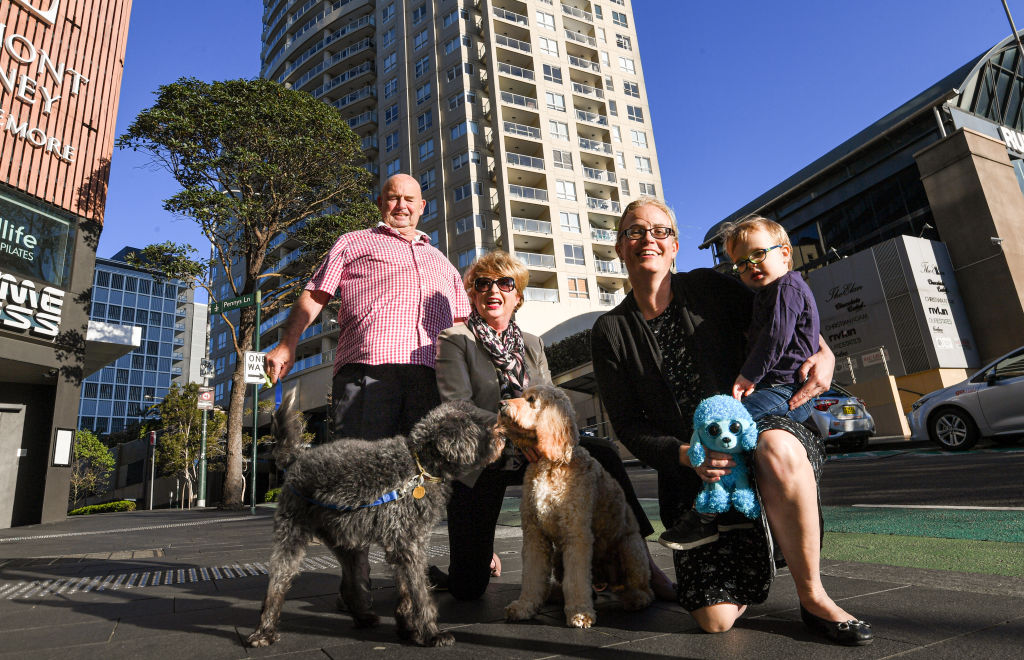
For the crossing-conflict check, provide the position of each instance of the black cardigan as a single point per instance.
(638, 398)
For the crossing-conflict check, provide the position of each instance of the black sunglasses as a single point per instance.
(483, 284)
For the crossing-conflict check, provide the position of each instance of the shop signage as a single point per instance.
(24, 308)
(34, 243)
(1014, 140)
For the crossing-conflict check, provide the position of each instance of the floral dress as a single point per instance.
(740, 566)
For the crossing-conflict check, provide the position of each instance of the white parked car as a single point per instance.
(842, 419)
(989, 403)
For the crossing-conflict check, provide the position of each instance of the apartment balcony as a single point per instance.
(609, 205)
(360, 120)
(369, 143)
(584, 63)
(595, 145)
(577, 13)
(603, 176)
(327, 357)
(526, 192)
(341, 79)
(516, 71)
(178, 341)
(179, 327)
(340, 56)
(274, 320)
(581, 38)
(603, 235)
(540, 294)
(175, 371)
(613, 267)
(180, 313)
(587, 90)
(367, 92)
(511, 17)
(522, 130)
(531, 225)
(514, 44)
(177, 356)
(608, 299)
(517, 160)
(591, 117)
(520, 100)
(536, 259)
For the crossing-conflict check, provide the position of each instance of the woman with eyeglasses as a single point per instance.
(486, 360)
(675, 340)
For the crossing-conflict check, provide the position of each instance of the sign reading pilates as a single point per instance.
(34, 243)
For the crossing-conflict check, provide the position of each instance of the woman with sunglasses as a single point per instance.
(674, 340)
(486, 360)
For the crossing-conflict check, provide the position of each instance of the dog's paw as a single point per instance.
(520, 610)
(582, 619)
(441, 639)
(262, 638)
(369, 620)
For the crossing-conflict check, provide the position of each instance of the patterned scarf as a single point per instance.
(507, 352)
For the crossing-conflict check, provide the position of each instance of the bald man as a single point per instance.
(397, 292)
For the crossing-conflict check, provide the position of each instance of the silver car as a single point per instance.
(989, 403)
(842, 419)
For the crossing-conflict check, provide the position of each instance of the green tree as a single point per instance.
(254, 160)
(91, 464)
(180, 433)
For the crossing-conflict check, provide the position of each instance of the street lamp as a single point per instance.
(152, 451)
(206, 371)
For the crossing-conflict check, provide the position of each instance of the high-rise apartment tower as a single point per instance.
(526, 122)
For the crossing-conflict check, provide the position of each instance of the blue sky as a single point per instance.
(742, 93)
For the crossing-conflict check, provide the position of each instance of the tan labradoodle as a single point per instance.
(576, 525)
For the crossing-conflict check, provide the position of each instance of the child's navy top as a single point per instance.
(783, 332)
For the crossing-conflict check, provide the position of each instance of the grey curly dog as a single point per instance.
(331, 493)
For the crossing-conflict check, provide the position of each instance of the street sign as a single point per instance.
(233, 303)
(254, 368)
(205, 401)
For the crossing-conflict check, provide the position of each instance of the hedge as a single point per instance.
(568, 353)
(272, 495)
(109, 507)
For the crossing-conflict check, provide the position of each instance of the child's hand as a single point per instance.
(742, 387)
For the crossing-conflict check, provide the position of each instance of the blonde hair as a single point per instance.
(733, 232)
(498, 264)
(645, 201)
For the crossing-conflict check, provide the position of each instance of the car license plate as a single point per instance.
(849, 410)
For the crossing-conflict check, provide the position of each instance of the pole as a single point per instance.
(1020, 48)
(152, 468)
(255, 408)
(202, 465)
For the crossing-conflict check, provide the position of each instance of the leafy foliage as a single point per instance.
(179, 438)
(109, 507)
(272, 495)
(568, 353)
(254, 160)
(91, 464)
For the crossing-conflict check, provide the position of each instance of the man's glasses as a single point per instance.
(637, 232)
(755, 257)
(483, 284)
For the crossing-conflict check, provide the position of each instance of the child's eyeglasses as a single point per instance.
(755, 257)
(637, 232)
(483, 284)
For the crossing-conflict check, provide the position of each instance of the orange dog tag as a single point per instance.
(418, 492)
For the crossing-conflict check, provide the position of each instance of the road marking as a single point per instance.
(138, 579)
(15, 539)
(930, 506)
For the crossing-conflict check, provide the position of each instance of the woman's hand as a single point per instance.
(715, 466)
(817, 375)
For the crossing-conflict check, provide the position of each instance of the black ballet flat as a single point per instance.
(847, 633)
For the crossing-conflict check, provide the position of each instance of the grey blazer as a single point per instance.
(465, 371)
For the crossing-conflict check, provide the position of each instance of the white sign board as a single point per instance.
(254, 368)
(205, 398)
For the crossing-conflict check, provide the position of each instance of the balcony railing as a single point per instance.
(580, 88)
(358, 95)
(508, 42)
(535, 259)
(179, 327)
(327, 357)
(591, 117)
(178, 341)
(521, 129)
(605, 235)
(526, 192)
(540, 294)
(519, 99)
(273, 320)
(610, 299)
(311, 331)
(599, 175)
(595, 145)
(584, 63)
(531, 225)
(368, 142)
(580, 38)
(577, 13)
(524, 161)
(511, 16)
(177, 356)
(352, 73)
(516, 71)
(368, 117)
(603, 204)
(613, 266)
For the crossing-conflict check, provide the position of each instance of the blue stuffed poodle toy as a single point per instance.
(722, 424)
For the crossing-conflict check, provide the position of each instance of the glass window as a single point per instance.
(420, 40)
(553, 74)
(570, 222)
(462, 225)
(555, 101)
(627, 65)
(643, 164)
(451, 45)
(619, 19)
(387, 38)
(598, 14)
(391, 141)
(394, 167)
(631, 88)
(428, 179)
(466, 257)
(578, 287)
(387, 13)
(390, 87)
(423, 93)
(616, 134)
(389, 62)
(545, 20)
(620, 159)
(622, 41)
(424, 121)
(422, 65)
(391, 114)
(559, 130)
(624, 187)
(102, 278)
(419, 13)
(548, 46)
(635, 113)
(648, 189)
(613, 108)
(562, 159)
(426, 149)
(573, 254)
(565, 190)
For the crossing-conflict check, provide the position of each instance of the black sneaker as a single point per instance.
(437, 579)
(691, 532)
(732, 520)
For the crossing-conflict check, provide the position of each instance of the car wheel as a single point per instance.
(954, 429)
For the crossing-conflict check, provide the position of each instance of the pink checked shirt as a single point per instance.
(396, 297)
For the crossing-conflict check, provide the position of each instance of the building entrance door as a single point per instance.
(12, 426)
